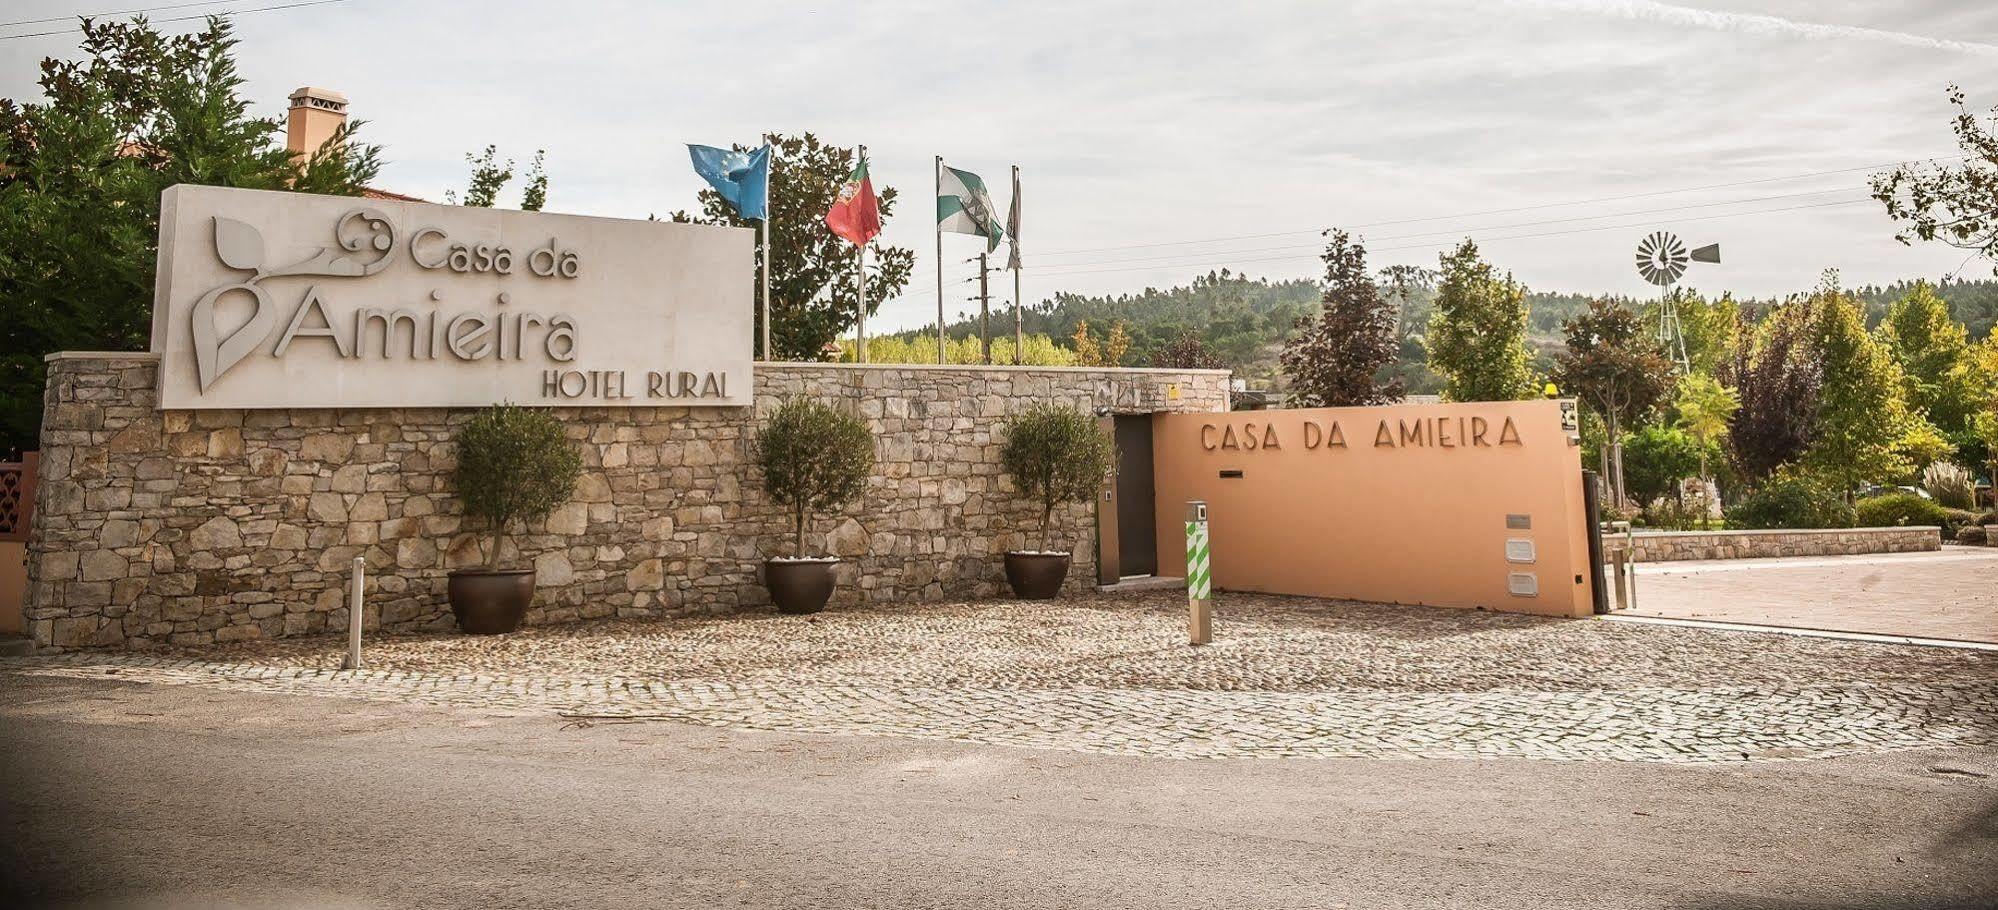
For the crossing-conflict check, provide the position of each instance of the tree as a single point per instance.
(815, 458)
(1615, 366)
(1055, 455)
(513, 465)
(1710, 328)
(1336, 358)
(1477, 333)
(81, 174)
(489, 177)
(1108, 353)
(1705, 408)
(1659, 457)
(1779, 377)
(1186, 352)
(1957, 204)
(1933, 352)
(1862, 419)
(812, 289)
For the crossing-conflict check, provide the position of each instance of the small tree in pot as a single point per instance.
(1055, 455)
(514, 465)
(815, 459)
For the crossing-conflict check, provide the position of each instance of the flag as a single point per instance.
(856, 214)
(742, 178)
(963, 207)
(1013, 225)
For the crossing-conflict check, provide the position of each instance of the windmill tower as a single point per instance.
(1661, 259)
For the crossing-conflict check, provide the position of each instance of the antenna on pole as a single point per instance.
(1661, 259)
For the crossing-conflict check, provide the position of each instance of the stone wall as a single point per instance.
(188, 527)
(1663, 546)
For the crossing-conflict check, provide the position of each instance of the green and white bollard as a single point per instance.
(1199, 584)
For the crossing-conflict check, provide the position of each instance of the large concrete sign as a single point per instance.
(281, 300)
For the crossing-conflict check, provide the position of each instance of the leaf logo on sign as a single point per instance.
(240, 245)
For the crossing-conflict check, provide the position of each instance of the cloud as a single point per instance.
(1753, 24)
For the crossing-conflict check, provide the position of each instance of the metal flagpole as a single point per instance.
(939, 227)
(1019, 337)
(860, 329)
(766, 278)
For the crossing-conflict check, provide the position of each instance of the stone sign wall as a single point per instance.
(187, 527)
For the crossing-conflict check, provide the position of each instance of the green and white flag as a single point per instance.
(964, 207)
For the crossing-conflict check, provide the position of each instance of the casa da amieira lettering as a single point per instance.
(275, 300)
(1443, 432)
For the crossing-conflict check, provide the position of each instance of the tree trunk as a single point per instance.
(499, 543)
(798, 528)
(1616, 459)
(1047, 526)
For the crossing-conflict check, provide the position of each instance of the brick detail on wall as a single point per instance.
(1665, 546)
(188, 527)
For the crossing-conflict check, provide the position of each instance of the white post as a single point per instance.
(860, 328)
(1019, 334)
(354, 615)
(766, 282)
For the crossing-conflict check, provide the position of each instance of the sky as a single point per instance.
(1159, 141)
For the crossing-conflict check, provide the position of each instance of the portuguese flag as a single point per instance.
(856, 214)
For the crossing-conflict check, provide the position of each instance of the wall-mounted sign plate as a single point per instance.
(1519, 522)
(1523, 584)
(1519, 549)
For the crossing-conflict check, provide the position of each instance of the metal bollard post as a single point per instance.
(354, 615)
(1199, 584)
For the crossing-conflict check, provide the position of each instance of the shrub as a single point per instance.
(1669, 513)
(513, 465)
(1791, 500)
(1654, 459)
(1898, 509)
(1055, 455)
(1957, 518)
(1975, 535)
(1950, 484)
(815, 459)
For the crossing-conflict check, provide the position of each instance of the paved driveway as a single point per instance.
(1949, 594)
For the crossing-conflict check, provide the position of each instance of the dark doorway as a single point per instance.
(1137, 532)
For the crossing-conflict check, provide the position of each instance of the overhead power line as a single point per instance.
(122, 12)
(1433, 245)
(222, 12)
(1523, 208)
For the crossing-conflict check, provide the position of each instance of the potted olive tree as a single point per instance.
(1055, 455)
(513, 466)
(815, 459)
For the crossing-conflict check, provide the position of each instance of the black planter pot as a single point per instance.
(800, 586)
(490, 603)
(1036, 576)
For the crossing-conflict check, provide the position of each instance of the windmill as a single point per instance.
(1661, 259)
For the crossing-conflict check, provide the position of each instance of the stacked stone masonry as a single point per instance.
(188, 527)
(1677, 545)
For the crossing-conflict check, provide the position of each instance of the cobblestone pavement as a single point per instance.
(1112, 674)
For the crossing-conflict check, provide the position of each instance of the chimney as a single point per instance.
(316, 114)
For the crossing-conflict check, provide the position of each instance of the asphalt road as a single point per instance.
(128, 796)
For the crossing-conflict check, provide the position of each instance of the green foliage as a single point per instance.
(81, 175)
(815, 459)
(1039, 350)
(1055, 455)
(1863, 422)
(1791, 499)
(1898, 509)
(514, 464)
(1336, 357)
(1954, 203)
(489, 177)
(1655, 459)
(1187, 352)
(1933, 352)
(812, 293)
(1477, 333)
(1705, 408)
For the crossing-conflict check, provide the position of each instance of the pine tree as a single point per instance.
(1477, 332)
(1933, 352)
(81, 174)
(1337, 358)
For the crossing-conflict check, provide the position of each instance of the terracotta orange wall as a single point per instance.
(1415, 523)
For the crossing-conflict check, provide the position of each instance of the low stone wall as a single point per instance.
(1665, 546)
(196, 526)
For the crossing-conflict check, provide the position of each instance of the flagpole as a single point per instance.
(1019, 333)
(860, 328)
(939, 227)
(766, 282)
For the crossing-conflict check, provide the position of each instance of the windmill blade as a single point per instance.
(1708, 253)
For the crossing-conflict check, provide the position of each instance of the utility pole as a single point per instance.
(984, 309)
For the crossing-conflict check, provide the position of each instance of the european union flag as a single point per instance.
(742, 178)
